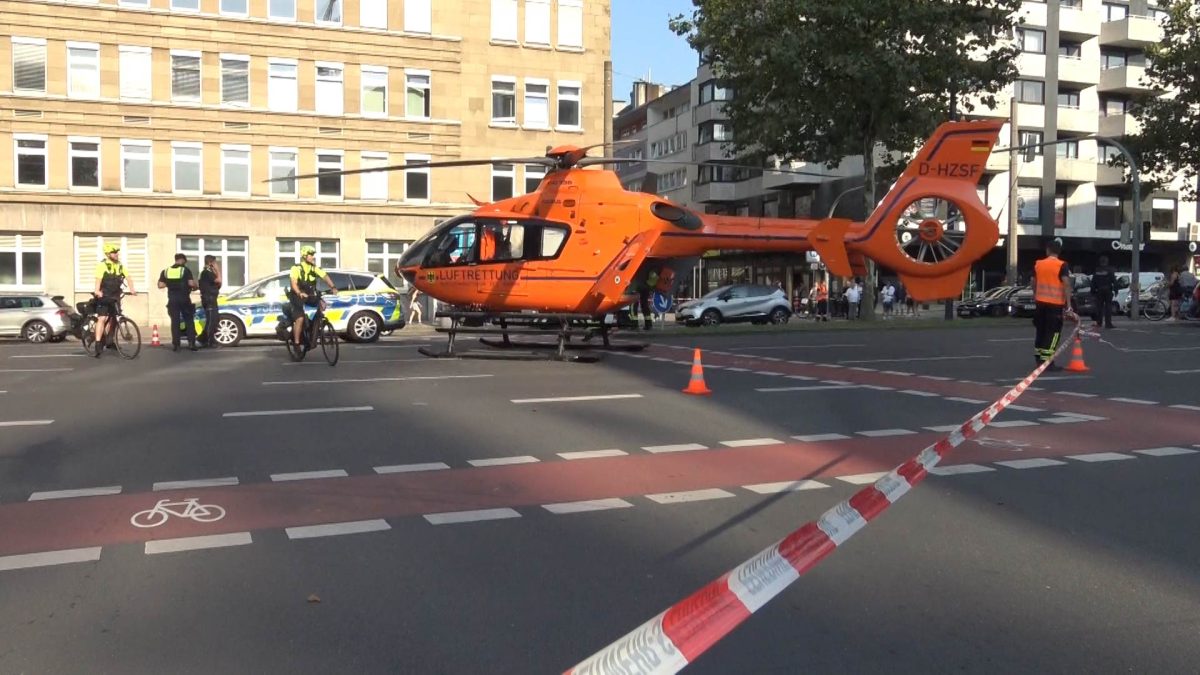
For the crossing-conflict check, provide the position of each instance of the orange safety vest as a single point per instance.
(1047, 282)
(822, 292)
(487, 245)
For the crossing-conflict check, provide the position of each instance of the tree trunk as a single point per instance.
(867, 307)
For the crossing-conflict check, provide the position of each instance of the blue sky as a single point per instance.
(642, 43)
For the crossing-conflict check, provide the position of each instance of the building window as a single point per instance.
(283, 165)
(1031, 91)
(418, 16)
(712, 91)
(374, 185)
(135, 165)
(416, 181)
(331, 94)
(186, 167)
(1071, 4)
(134, 63)
(235, 169)
(287, 252)
(234, 7)
(29, 65)
(504, 100)
(1162, 215)
(20, 261)
(329, 186)
(503, 179)
(230, 255)
(570, 24)
(1032, 41)
(374, 91)
(1070, 50)
(1029, 205)
(1115, 12)
(537, 104)
(1031, 138)
(537, 22)
(83, 70)
(281, 10)
(568, 105)
(134, 3)
(1068, 99)
(31, 160)
(281, 85)
(1109, 212)
(373, 13)
(709, 132)
(1113, 59)
(235, 80)
(1067, 149)
(382, 257)
(85, 163)
(89, 251)
(185, 76)
(417, 94)
(329, 12)
(185, 5)
(1060, 209)
(504, 20)
(1110, 107)
(1108, 153)
(534, 173)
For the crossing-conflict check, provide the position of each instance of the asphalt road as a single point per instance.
(454, 516)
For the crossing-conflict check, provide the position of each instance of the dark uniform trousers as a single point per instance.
(209, 302)
(183, 319)
(1104, 309)
(1048, 320)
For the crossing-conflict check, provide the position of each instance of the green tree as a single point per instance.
(1169, 143)
(820, 80)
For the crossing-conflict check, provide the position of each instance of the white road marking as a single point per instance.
(737, 370)
(861, 369)
(194, 543)
(1181, 406)
(961, 399)
(945, 428)
(1182, 372)
(35, 370)
(785, 486)
(689, 496)
(956, 469)
(896, 372)
(1101, 457)
(919, 358)
(862, 478)
(914, 392)
(592, 454)
(801, 363)
(763, 349)
(309, 475)
(831, 365)
(411, 468)
(587, 505)
(1004, 424)
(454, 517)
(1030, 463)
(881, 433)
(801, 377)
(1163, 349)
(1091, 418)
(1052, 378)
(1062, 420)
(681, 447)
(838, 382)
(1025, 408)
(1136, 401)
(814, 387)
(770, 372)
(83, 492)
(877, 387)
(304, 411)
(334, 529)
(502, 461)
(1076, 393)
(750, 442)
(817, 438)
(939, 378)
(567, 399)
(1167, 451)
(27, 423)
(17, 562)
(770, 358)
(201, 483)
(340, 362)
(380, 379)
(1009, 340)
(48, 356)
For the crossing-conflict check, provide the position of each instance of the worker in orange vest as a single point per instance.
(1052, 294)
(821, 292)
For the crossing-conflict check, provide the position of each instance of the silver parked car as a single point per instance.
(738, 302)
(36, 317)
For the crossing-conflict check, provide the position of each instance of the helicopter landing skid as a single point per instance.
(563, 326)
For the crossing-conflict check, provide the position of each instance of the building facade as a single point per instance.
(158, 124)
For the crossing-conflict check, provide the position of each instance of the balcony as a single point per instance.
(1078, 121)
(713, 110)
(1071, 170)
(1031, 65)
(713, 151)
(1116, 126)
(1132, 31)
(1073, 70)
(1080, 23)
(782, 181)
(1123, 80)
(714, 192)
(1109, 175)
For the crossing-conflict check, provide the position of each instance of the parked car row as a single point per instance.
(37, 317)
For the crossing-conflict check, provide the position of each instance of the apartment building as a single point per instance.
(157, 124)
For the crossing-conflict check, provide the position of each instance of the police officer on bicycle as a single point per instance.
(303, 291)
(110, 276)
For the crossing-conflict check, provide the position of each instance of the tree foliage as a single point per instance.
(1168, 145)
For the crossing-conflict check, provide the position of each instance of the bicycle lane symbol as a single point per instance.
(190, 508)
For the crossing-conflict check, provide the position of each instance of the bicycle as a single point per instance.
(120, 333)
(1156, 308)
(165, 508)
(317, 331)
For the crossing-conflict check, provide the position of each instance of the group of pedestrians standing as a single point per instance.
(181, 311)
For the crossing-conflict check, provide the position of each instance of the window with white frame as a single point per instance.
(134, 3)
(287, 252)
(185, 76)
(186, 165)
(230, 255)
(374, 91)
(235, 169)
(537, 22)
(503, 179)
(417, 99)
(672, 180)
(89, 250)
(235, 7)
(281, 85)
(329, 187)
(29, 65)
(134, 63)
(84, 154)
(534, 173)
(83, 70)
(328, 11)
(537, 104)
(416, 181)
(504, 20)
(281, 10)
(382, 257)
(30, 150)
(136, 165)
(568, 105)
(373, 14)
(235, 80)
(283, 165)
(185, 5)
(20, 261)
(1114, 12)
(331, 93)
(504, 100)
(374, 185)
(570, 24)
(418, 16)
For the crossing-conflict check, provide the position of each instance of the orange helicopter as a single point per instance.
(567, 253)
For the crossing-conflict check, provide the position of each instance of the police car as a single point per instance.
(365, 306)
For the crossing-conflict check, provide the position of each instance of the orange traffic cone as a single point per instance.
(154, 337)
(1077, 365)
(696, 384)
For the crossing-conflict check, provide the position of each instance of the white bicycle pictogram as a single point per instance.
(188, 508)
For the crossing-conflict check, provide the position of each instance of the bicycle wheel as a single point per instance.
(207, 513)
(87, 335)
(329, 342)
(148, 518)
(1155, 310)
(295, 352)
(128, 338)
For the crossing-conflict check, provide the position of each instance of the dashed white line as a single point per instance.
(455, 517)
(814, 387)
(1078, 394)
(309, 475)
(299, 411)
(201, 483)
(1035, 463)
(944, 428)
(877, 387)
(861, 369)
(914, 392)
(36, 370)
(412, 468)
(1181, 406)
(840, 383)
(817, 438)
(770, 372)
(1082, 416)
(592, 454)
(61, 356)
(569, 399)
(1167, 451)
(587, 505)
(939, 378)
(896, 372)
(785, 486)
(689, 496)
(378, 379)
(502, 461)
(25, 560)
(802, 377)
(801, 363)
(862, 478)
(750, 442)
(195, 543)
(335, 529)
(962, 399)
(27, 423)
(1169, 372)
(919, 358)
(83, 492)
(1062, 420)
(1101, 457)
(1004, 424)
(882, 433)
(1135, 401)
(1025, 408)
(737, 370)
(956, 469)
(679, 447)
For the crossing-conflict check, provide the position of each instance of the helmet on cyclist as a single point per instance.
(111, 248)
(307, 250)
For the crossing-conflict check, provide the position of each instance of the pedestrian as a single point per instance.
(1052, 297)
(821, 298)
(853, 299)
(210, 290)
(888, 296)
(414, 307)
(1175, 292)
(1102, 284)
(178, 281)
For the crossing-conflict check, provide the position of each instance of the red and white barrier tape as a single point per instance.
(675, 638)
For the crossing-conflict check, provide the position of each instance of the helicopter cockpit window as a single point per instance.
(455, 246)
(552, 241)
(486, 241)
(501, 241)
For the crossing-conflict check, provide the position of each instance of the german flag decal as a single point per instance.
(981, 146)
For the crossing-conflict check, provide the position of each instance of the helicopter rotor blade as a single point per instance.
(614, 144)
(544, 161)
(593, 161)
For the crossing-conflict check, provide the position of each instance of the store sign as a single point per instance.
(1118, 246)
(1192, 247)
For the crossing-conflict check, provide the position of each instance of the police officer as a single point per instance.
(1052, 294)
(1103, 282)
(178, 281)
(210, 288)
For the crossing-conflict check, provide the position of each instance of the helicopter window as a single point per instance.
(552, 241)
